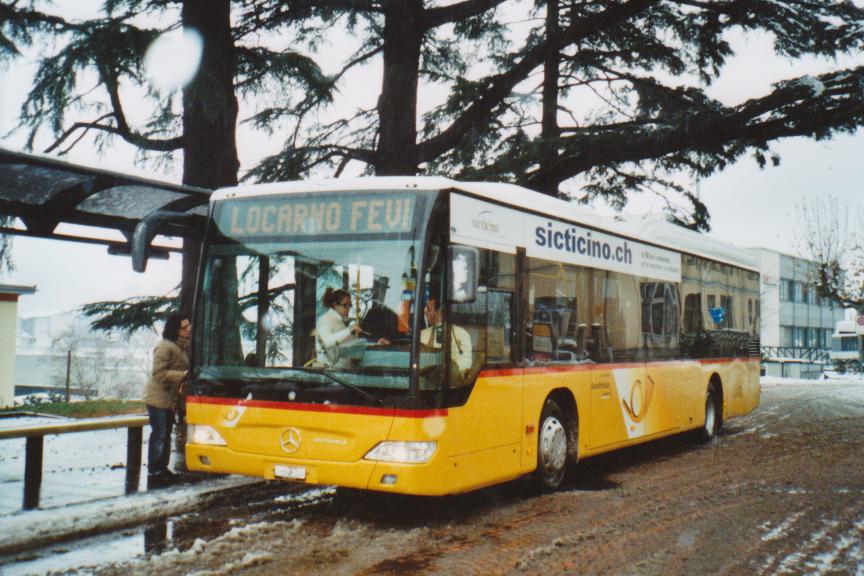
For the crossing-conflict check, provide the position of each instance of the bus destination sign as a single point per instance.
(304, 215)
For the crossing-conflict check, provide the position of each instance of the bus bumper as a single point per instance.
(417, 479)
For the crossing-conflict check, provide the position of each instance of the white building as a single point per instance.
(105, 365)
(8, 314)
(793, 315)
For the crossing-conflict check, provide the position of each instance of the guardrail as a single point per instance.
(35, 442)
(795, 352)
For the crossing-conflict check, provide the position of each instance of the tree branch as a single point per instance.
(122, 129)
(434, 17)
(86, 126)
(501, 85)
(801, 107)
(358, 60)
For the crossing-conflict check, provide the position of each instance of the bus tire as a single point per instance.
(712, 416)
(552, 448)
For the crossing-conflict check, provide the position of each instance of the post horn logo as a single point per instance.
(640, 399)
(290, 440)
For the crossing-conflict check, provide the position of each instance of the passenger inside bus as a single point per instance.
(433, 337)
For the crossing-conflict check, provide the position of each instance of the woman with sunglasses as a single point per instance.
(332, 329)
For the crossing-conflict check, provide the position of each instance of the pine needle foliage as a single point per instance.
(130, 315)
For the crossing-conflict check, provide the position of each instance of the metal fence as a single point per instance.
(795, 353)
(35, 442)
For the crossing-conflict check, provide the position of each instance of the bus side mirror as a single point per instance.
(463, 262)
(146, 229)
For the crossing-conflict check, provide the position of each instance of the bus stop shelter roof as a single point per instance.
(16, 289)
(43, 193)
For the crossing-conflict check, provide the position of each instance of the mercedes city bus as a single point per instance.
(493, 333)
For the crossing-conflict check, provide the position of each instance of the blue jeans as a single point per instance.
(159, 446)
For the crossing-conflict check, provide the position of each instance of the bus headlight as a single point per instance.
(403, 452)
(200, 434)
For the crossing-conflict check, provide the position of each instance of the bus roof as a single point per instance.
(651, 229)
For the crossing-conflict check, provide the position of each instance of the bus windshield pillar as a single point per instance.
(304, 315)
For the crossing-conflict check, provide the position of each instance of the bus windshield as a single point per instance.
(307, 296)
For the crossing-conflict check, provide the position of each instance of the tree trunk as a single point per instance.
(548, 179)
(397, 107)
(209, 130)
(209, 118)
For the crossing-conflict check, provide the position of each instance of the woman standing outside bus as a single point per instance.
(170, 368)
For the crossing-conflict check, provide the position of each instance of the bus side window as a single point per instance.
(559, 303)
(489, 319)
(499, 311)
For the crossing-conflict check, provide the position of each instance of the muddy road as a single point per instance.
(781, 491)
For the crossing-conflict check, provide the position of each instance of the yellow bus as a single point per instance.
(426, 336)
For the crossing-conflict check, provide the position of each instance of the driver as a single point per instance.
(332, 329)
(433, 336)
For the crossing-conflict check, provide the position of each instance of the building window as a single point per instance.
(806, 295)
(786, 336)
(693, 313)
(784, 291)
(659, 308)
(797, 291)
(798, 337)
(726, 304)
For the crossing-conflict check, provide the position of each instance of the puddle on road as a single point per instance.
(77, 556)
(267, 503)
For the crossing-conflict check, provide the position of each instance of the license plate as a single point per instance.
(289, 472)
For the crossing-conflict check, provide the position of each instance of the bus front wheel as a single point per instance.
(552, 447)
(712, 416)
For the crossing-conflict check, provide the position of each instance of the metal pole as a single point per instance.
(861, 353)
(133, 459)
(68, 372)
(860, 342)
(33, 472)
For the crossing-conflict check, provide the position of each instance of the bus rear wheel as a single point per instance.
(712, 417)
(552, 448)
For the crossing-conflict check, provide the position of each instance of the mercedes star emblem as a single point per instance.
(290, 440)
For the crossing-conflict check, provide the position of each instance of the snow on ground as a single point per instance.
(25, 527)
(83, 486)
(84, 478)
(76, 467)
(826, 378)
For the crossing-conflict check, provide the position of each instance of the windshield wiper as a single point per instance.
(358, 389)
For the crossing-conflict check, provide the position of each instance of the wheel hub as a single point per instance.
(553, 448)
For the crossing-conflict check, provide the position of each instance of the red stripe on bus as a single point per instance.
(330, 408)
(593, 367)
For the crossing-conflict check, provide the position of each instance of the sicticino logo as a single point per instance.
(485, 223)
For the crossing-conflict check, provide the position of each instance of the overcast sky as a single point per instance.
(749, 206)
